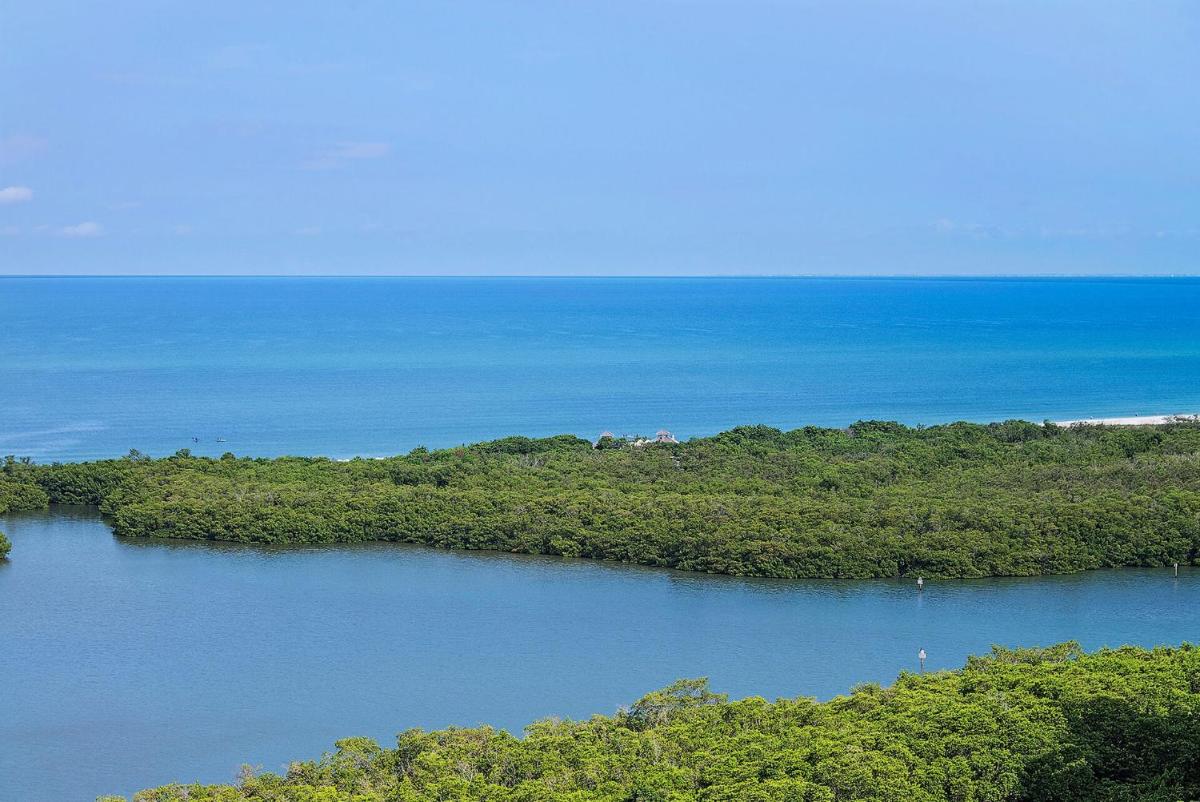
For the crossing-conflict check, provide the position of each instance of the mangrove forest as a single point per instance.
(876, 499)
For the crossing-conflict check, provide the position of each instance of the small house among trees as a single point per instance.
(609, 440)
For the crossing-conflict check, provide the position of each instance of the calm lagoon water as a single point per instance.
(91, 367)
(130, 663)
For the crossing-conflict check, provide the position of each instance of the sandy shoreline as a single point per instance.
(1137, 420)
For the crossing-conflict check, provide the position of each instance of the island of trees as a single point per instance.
(1023, 725)
(876, 499)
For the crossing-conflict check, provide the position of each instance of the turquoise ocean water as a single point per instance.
(91, 367)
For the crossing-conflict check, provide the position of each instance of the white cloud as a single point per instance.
(348, 152)
(87, 229)
(16, 195)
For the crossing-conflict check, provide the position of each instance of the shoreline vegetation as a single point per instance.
(876, 499)
(1032, 725)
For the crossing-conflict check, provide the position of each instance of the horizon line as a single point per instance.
(841, 276)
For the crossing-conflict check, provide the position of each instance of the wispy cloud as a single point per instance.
(86, 229)
(347, 152)
(945, 225)
(16, 195)
(1091, 231)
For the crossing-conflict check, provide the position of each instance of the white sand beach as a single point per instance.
(1136, 420)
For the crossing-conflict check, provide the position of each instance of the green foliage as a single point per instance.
(1028, 726)
(18, 486)
(875, 500)
(5, 546)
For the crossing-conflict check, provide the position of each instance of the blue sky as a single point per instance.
(600, 138)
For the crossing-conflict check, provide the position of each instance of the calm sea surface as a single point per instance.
(339, 367)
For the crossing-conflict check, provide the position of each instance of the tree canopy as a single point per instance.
(877, 499)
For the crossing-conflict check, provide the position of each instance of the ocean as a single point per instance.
(342, 367)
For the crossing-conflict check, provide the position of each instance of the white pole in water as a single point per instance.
(1176, 569)
(921, 657)
(920, 583)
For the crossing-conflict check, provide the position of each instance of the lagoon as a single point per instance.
(132, 663)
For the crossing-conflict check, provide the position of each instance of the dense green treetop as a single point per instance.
(1021, 726)
(19, 489)
(877, 499)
